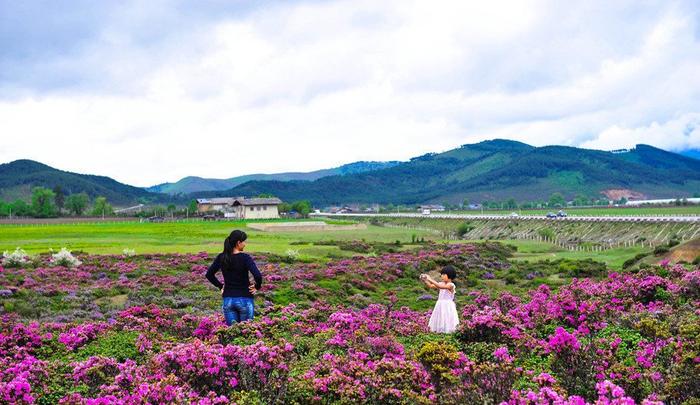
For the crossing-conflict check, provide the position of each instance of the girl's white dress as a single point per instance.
(444, 318)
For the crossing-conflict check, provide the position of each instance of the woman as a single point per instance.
(236, 290)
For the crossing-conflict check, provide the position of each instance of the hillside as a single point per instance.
(19, 177)
(193, 184)
(497, 170)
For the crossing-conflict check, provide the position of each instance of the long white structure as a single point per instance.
(617, 218)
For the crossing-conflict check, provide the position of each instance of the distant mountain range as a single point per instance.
(490, 170)
(692, 153)
(194, 184)
(498, 170)
(19, 177)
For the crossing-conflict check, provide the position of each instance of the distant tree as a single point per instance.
(696, 195)
(43, 202)
(21, 208)
(77, 203)
(102, 207)
(303, 207)
(580, 200)
(265, 195)
(557, 200)
(677, 202)
(621, 201)
(59, 199)
(284, 207)
(465, 203)
(511, 204)
(171, 208)
(192, 206)
(4, 209)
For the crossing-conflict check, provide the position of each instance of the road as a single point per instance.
(571, 218)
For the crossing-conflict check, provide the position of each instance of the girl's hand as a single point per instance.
(222, 291)
(252, 289)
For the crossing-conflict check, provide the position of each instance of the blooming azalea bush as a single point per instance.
(148, 329)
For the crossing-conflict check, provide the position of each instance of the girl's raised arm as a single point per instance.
(440, 284)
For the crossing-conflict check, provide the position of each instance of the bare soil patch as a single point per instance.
(304, 227)
(686, 252)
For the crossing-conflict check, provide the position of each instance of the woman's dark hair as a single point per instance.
(229, 243)
(450, 271)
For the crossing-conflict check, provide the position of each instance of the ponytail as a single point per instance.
(229, 243)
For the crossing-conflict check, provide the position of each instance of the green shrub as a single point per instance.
(438, 359)
(660, 250)
(117, 345)
(546, 233)
(464, 229)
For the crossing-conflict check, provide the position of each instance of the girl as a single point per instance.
(236, 290)
(444, 318)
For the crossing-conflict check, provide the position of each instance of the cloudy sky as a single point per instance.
(152, 91)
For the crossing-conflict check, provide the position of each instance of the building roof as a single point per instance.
(261, 201)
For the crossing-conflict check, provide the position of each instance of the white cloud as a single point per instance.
(677, 134)
(297, 87)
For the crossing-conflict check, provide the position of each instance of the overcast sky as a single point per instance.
(152, 91)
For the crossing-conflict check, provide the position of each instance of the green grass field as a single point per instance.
(190, 237)
(613, 211)
(535, 251)
(184, 237)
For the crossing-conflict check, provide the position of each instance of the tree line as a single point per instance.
(51, 203)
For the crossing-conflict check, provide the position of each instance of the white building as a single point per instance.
(240, 207)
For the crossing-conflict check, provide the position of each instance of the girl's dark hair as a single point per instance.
(229, 243)
(450, 271)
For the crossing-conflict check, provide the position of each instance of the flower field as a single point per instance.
(137, 329)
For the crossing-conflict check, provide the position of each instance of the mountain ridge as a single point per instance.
(489, 170)
(192, 184)
(500, 169)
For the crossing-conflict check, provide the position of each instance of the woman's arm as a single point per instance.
(211, 273)
(256, 273)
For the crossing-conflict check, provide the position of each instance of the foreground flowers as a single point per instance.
(623, 339)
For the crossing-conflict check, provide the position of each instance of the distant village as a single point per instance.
(269, 208)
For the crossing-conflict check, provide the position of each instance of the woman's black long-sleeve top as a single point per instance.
(236, 282)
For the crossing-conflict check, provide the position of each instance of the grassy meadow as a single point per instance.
(188, 237)
(198, 236)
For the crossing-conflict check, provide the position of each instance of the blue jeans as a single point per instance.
(238, 309)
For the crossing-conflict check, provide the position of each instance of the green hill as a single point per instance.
(193, 184)
(497, 170)
(19, 177)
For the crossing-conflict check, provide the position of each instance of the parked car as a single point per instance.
(156, 219)
(426, 211)
(561, 214)
(551, 215)
(514, 215)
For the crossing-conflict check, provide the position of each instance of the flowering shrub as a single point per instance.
(292, 254)
(128, 252)
(148, 329)
(18, 258)
(65, 258)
